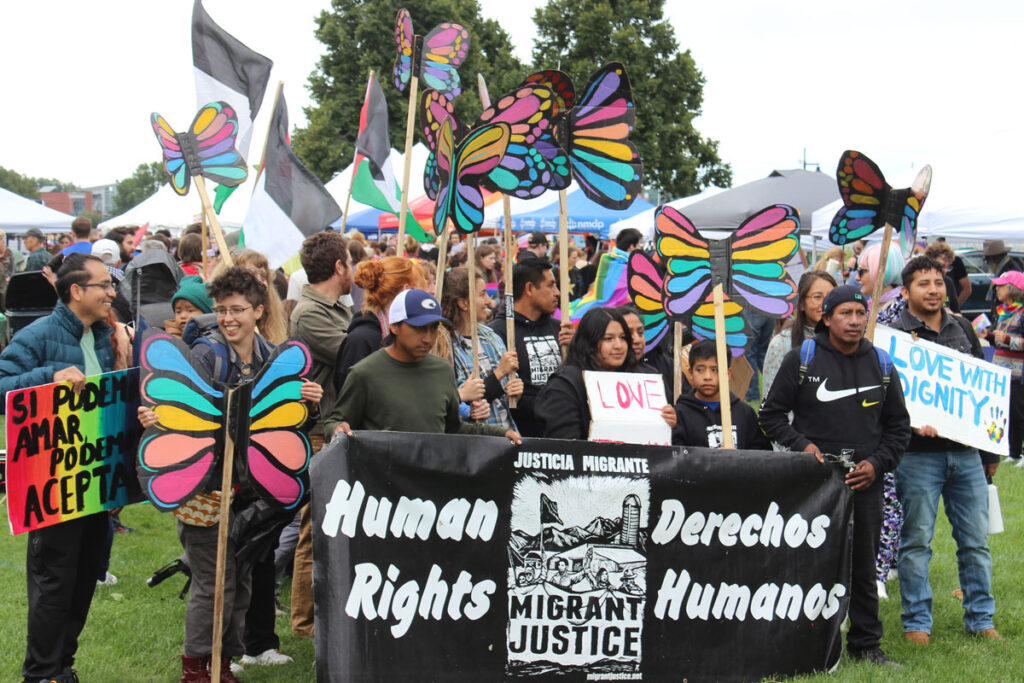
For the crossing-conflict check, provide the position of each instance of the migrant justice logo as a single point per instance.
(577, 571)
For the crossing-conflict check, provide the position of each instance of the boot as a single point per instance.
(195, 669)
(225, 671)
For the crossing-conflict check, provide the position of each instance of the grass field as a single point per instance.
(134, 632)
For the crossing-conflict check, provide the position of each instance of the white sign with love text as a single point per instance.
(625, 407)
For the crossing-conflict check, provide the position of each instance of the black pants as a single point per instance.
(61, 567)
(865, 627)
(1016, 426)
(259, 620)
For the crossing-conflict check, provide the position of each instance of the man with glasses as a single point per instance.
(63, 560)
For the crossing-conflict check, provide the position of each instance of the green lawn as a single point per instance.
(134, 632)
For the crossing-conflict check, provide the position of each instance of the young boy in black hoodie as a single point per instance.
(699, 410)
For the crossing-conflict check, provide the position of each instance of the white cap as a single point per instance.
(107, 250)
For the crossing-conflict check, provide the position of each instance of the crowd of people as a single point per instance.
(387, 355)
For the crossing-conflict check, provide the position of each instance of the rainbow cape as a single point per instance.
(609, 288)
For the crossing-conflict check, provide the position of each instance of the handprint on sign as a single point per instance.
(996, 428)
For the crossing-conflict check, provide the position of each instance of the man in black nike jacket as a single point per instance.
(842, 403)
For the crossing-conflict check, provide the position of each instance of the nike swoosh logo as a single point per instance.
(868, 405)
(826, 395)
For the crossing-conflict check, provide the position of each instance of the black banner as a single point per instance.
(466, 558)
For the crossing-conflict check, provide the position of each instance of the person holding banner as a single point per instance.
(601, 343)
(233, 356)
(497, 365)
(403, 387)
(699, 411)
(1008, 338)
(845, 397)
(934, 466)
(63, 560)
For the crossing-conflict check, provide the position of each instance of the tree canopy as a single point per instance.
(667, 85)
(146, 180)
(359, 35)
(27, 186)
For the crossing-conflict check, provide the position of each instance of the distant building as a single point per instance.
(630, 530)
(99, 199)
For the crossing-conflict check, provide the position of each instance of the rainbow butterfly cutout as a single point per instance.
(435, 59)
(208, 148)
(645, 279)
(178, 456)
(594, 136)
(869, 202)
(750, 264)
(529, 111)
(460, 168)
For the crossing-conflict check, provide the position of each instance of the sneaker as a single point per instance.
(874, 656)
(108, 580)
(237, 668)
(892, 575)
(268, 658)
(1020, 463)
(882, 593)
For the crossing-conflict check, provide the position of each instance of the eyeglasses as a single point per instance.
(816, 297)
(109, 286)
(235, 311)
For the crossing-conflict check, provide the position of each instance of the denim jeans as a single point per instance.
(959, 478)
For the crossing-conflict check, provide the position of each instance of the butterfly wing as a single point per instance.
(445, 156)
(277, 456)
(864, 192)
(214, 131)
(404, 42)
(435, 108)
(687, 258)
(737, 332)
(911, 206)
(477, 155)
(559, 81)
(177, 456)
(605, 163)
(174, 159)
(444, 49)
(524, 169)
(645, 284)
(759, 251)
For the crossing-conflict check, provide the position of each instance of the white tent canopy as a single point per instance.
(495, 211)
(167, 209)
(970, 196)
(18, 214)
(644, 221)
(338, 186)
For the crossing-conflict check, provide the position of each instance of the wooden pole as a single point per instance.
(677, 360)
(563, 259)
(205, 236)
(222, 244)
(473, 334)
(355, 155)
(876, 294)
(506, 205)
(410, 124)
(723, 367)
(442, 261)
(222, 543)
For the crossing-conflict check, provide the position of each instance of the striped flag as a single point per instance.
(289, 203)
(373, 180)
(226, 70)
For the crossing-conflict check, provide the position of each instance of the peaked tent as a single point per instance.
(644, 221)
(339, 184)
(585, 216)
(166, 209)
(807, 191)
(18, 214)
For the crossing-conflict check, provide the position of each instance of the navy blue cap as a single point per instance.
(416, 307)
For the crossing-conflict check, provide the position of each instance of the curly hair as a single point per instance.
(382, 281)
(274, 324)
(237, 280)
(319, 254)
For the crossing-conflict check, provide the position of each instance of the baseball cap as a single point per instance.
(840, 295)
(1010, 277)
(107, 250)
(416, 307)
(35, 232)
(538, 238)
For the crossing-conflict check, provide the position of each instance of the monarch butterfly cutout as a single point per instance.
(869, 202)
(208, 148)
(750, 264)
(179, 456)
(435, 58)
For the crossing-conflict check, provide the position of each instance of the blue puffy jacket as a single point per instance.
(48, 345)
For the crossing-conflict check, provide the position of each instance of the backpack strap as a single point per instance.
(885, 365)
(221, 361)
(806, 356)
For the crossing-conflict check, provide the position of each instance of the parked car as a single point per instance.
(980, 279)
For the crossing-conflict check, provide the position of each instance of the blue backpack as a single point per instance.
(884, 363)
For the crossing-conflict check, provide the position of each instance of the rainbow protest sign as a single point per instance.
(70, 456)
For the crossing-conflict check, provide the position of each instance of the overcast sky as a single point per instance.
(905, 82)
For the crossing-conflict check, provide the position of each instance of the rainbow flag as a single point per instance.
(70, 456)
(609, 288)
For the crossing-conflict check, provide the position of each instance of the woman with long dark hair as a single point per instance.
(811, 291)
(602, 342)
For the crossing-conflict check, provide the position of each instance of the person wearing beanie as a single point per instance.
(845, 397)
(189, 301)
(403, 387)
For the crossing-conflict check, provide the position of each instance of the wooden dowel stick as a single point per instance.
(563, 259)
(876, 294)
(723, 367)
(222, 245)
(410, 124)
(222, 544)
